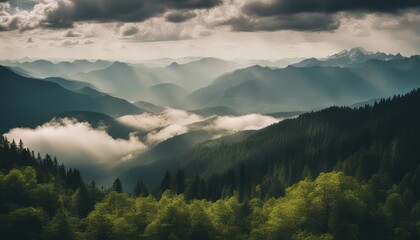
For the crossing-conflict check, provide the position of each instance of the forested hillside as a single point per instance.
(350, 174)
(382, 138)
(41, 200)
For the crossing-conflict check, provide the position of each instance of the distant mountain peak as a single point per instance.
(118, 64)
(84, 61)
(174, 64)
(358, 55)
(41, 61)
(210, 59)
(398, 56)
(358, 50)
(353, 53)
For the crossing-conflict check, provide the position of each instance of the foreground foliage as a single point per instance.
(333, 206)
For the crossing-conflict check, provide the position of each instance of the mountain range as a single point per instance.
(343, 78)
(28, 101)
(43, 68)
(347, 58)
(116, 78)
(263, 89)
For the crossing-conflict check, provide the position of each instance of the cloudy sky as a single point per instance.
(148, 29)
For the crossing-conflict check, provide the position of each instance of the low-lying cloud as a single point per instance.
(148, 121)
(169, 123)
(77, 143)
(167, 132)
(173, 122)
(242, 123)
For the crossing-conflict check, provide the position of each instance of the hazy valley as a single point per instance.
(126, 120)
(207, 134)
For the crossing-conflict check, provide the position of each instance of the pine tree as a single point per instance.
(117, 186)
(20, 146)
(192, 190)
(140, 190)
(81, 202)
(166, 182)
(179, 183)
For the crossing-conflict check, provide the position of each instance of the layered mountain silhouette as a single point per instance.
(70, 84)
(262, 89)
(43, 68)
(149, 107)
(392, 76)
(166, 94)
(133, 81)
(27, 100)
(120, 79)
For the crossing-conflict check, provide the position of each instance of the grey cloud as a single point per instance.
(151, 34)
(70, 43)
(310, 15)
(160, 37)
(278, 7)
(122, 10)
(73, 43)
(51, 14)
(129, 31)
(297, 22)
(64, 13)
(9, 24)
(71, 33)
(409, 20)
(132, 10)
(4, 6)
(177, 17)
(57, 16)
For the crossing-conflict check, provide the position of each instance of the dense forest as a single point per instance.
(338, 173)
(381, 139)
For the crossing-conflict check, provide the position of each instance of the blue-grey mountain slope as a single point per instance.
(25, 100)
(261, 89)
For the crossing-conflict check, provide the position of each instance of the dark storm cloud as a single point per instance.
(124, 10)
(310, 15)
(297, 22)
(64, 13)
(408, 21)
(177, 17)
(278, 7)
